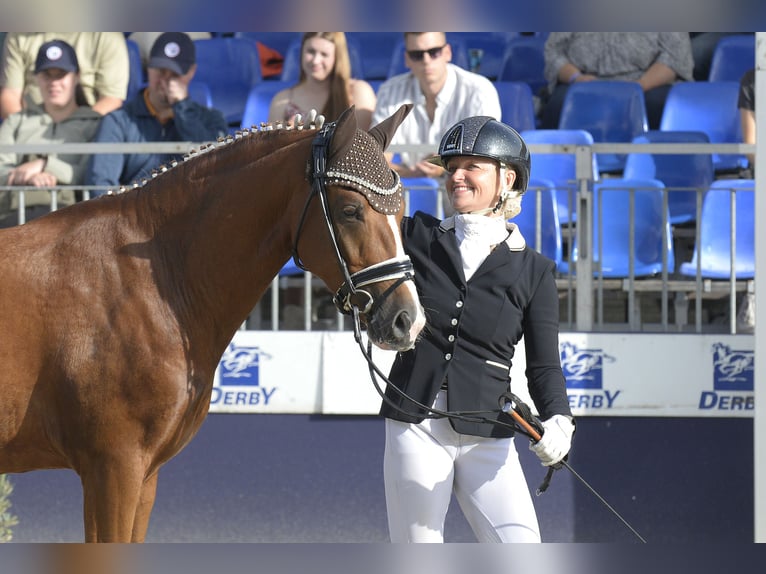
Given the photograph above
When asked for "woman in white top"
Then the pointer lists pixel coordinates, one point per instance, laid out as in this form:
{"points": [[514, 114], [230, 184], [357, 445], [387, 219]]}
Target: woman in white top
{"points": [[325, 83]]}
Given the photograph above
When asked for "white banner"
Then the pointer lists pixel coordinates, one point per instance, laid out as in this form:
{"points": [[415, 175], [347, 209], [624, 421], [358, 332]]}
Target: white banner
{"points": [[607, 374]]}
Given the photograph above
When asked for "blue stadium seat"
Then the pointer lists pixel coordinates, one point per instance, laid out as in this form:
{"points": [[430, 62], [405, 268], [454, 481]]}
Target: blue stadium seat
{"points": [[230, 67], [421, 194], [291, 69], [459, 57], [682, 174], [732, 57], [200, 93], [714, 250], [486, 50], [524, 61], [137, 75], [560, 167], [517, 105], [611, 111], [541, 193], [375, 49], [611, 198], [710, 107], [259, 101], [278, 41]]}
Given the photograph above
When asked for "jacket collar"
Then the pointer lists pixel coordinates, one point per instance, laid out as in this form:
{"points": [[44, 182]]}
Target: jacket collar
{"points": [[515, 240]]}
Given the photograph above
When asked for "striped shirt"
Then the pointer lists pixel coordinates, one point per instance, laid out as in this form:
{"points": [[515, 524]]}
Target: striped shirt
{"points": [[464, 94]]}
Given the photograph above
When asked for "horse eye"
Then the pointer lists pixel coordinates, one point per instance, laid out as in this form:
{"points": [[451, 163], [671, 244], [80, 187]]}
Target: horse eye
{"points": [[352, 211]]}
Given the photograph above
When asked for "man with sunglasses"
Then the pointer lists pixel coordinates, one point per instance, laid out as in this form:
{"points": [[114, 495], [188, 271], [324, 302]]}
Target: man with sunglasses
{"points": [[442, 94]]}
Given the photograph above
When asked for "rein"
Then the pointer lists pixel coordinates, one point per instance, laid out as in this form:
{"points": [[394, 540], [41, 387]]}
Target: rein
{"points": [[350, 295]]}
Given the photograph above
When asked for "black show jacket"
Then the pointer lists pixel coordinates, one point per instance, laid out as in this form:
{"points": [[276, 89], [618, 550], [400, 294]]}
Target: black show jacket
{"points": [[472, 328]]}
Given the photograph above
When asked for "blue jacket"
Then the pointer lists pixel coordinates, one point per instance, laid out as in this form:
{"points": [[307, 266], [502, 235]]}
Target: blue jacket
{"points": [[134, 123]]}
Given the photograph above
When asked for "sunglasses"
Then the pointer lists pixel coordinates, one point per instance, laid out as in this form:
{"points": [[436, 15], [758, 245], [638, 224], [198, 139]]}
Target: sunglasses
{"points": [[433, 53]]}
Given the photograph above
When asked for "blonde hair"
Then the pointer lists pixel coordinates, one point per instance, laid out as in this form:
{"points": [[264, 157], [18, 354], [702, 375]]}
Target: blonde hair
{"points": [[340, 76]]}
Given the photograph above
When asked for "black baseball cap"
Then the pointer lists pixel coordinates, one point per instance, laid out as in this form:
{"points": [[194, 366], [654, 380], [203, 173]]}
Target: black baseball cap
{"points": [[56, 54], [173, 51]]}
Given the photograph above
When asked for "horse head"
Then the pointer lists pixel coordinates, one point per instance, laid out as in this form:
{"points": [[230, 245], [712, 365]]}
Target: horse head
{"points": [[361, 198]]}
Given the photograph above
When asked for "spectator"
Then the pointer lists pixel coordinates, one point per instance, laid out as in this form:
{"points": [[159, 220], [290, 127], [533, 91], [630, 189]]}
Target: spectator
{"points": [[442, 93], [104, 68], [655, 60], [64, 116], [746, 106], [161, 112], [483, 289], [325, 83]]}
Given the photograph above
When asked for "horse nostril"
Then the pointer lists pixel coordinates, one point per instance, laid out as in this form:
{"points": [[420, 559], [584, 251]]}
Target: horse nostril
{"points": [[402, 325]]}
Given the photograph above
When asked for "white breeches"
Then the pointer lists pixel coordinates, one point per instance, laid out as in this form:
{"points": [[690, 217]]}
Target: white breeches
{"points": [[425, 463]]}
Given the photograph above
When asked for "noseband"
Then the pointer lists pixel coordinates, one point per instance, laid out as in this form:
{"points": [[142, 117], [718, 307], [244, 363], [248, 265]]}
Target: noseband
{"points": [[350, 295]]}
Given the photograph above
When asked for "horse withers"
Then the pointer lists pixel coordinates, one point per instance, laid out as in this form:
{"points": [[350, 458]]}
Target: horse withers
{"points": [[114, 312]]}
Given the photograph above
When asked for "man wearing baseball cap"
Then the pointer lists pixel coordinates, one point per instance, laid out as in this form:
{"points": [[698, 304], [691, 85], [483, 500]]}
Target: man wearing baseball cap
{"points": [[161, 112], [64, 116]]}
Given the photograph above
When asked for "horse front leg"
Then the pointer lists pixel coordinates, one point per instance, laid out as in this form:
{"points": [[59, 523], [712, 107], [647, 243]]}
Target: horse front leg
{"points": [[112, 492], [144, 510]]}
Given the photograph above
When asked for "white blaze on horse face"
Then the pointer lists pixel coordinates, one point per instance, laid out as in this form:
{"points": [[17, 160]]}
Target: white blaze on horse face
{"points": [[419, 321]]}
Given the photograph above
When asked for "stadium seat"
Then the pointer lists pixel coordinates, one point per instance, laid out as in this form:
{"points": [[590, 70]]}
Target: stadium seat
{"points": [[421, 194], [230, 67], [375, 49], [517, 105], [291, 69], [560, 167], [611, 111], [136, 76], [486, 50], [278, 41], [732, 57], [651, 230], [710, 107], [684, 175], [524, 61], [541, 194], [259, 101], [200, 93], [714, 250], [459, 56]]}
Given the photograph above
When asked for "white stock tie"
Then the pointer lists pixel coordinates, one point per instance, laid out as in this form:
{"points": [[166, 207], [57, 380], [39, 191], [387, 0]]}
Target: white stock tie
{"points": [[476, 234]]}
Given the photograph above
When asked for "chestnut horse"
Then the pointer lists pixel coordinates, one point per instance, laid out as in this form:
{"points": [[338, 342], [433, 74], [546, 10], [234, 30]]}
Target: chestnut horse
{"points": [[114, 312]]}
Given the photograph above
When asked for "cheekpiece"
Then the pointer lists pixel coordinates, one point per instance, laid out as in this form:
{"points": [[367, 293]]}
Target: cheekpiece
{"points": [[365, 169]]}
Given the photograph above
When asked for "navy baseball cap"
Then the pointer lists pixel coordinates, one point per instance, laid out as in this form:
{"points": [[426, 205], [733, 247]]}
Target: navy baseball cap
{"points": [[56, 54], [172, 51]]}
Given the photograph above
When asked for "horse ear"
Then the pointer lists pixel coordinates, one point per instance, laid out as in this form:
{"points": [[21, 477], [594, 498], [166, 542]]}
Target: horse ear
{"points": [[384, 131], [345, 130]]}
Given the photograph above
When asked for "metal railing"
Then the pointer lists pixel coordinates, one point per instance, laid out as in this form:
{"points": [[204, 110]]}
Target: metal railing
{"points": [[584, 294]]}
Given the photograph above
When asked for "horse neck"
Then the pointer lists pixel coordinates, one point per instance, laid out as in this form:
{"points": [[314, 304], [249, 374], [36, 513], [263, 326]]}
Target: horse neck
{"points": [[224, 224]]}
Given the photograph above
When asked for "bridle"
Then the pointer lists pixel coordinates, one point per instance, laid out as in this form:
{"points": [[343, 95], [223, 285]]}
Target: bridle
{"points": [[350, 294]]}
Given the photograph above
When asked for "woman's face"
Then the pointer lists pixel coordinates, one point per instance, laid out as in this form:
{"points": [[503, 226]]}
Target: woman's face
{"points": [[318, 58], [473, 183], [57, 86]]}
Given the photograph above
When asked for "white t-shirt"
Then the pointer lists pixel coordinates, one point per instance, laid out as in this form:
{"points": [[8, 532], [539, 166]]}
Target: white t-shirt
{"points": [[464, 94]]}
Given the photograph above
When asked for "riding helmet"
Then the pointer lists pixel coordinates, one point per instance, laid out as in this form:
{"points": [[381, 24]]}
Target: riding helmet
{"points": [[484, 136]]}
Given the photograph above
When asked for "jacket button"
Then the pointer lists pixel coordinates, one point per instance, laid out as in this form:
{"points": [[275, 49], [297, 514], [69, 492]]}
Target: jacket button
{"points": [[451, 338], [459, 304], [454, 322], [448, 356]]}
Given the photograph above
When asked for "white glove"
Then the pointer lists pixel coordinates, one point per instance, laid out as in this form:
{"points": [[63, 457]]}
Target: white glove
{"points": [[556, 440]]}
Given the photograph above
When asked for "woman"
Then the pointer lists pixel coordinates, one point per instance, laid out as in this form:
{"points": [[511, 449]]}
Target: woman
{"points": [[63, 117], [325, 83], [483, 289], [656, 60]]}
